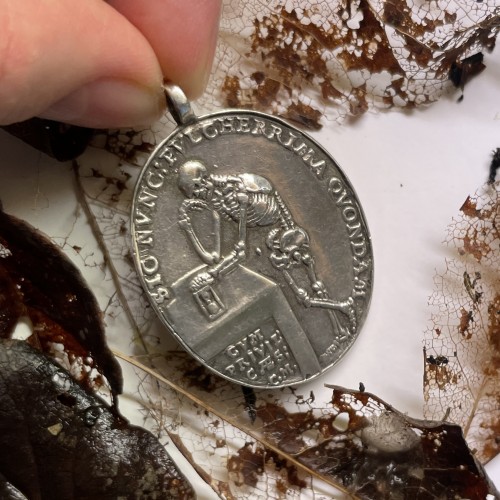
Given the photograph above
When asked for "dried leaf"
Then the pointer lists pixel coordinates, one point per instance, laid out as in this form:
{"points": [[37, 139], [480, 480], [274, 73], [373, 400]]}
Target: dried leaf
{"points": [[306, 59], [9, 492], [38, 281], [462, 347], [357, 442], [59, 140], [60, 442], [377, 452]]}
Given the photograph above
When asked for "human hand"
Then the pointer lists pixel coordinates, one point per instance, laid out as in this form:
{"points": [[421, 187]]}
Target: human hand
{"points": [[101, 64]]}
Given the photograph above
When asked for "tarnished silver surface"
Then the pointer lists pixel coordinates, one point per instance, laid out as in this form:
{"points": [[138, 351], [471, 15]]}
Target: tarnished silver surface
{"points": [[252, 247]]}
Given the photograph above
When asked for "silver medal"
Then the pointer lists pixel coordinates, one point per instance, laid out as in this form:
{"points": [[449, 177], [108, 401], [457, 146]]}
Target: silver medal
{"points": [[251, 246]]}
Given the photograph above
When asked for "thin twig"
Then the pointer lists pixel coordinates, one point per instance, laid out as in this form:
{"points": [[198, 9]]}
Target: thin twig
{"points": [[108, 261]]}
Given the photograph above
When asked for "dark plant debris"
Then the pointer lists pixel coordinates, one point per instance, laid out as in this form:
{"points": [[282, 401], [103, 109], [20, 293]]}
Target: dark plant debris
{"points": [[374, 451], [39, 282], [494, 166], [357, 441], [250, 399], [462, 71], [59, 442], [61, 141]]}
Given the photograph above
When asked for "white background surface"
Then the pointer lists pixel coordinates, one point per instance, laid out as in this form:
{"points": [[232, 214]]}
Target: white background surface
{"points": [[411, 171]]}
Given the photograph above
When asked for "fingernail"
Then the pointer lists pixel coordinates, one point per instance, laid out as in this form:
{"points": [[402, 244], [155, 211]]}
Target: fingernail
{"points": [[109, 104]]}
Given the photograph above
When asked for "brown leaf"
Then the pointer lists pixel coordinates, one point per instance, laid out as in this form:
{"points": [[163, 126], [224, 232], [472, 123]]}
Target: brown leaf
{"points": [[38, 281], [314, 62], [462, 347], [375, 451], [307, 59], [357, 442], [60, 442]]}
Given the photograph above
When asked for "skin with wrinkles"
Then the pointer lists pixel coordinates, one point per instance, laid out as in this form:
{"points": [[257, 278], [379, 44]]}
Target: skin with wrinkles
{"points": [[101, 64]]}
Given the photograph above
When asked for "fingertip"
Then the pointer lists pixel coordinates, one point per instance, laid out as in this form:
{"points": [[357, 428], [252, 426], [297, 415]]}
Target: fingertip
{"points": [[54, 54], [182, 34]]}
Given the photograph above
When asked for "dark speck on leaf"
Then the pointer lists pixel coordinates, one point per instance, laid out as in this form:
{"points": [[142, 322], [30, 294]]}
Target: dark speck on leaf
{"points": [[494, 165], [437, 361], [462, 71], [250, 400]]}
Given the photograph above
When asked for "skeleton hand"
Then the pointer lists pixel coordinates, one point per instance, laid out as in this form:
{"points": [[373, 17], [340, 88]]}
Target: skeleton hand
{"points": [[192, 206], [303, 297], [186, 207], [280, 260], [242, 199], [219, 180], [239, 250], [319, 289], [200, 281], [185, 223]]}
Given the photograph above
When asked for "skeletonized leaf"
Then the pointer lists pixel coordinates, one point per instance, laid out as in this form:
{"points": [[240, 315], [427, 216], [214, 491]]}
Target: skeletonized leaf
{"points": [[356, 441], [306, 59], [60, 442], [462, 347]]}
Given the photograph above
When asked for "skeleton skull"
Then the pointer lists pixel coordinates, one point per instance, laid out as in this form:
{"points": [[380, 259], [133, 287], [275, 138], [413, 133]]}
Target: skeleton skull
{"points": [[192, 179], [294, 240]]}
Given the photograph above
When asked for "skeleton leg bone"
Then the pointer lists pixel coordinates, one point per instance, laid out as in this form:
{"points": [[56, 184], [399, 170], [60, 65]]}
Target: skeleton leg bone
{"points": [[317, 285], [345, 307]]}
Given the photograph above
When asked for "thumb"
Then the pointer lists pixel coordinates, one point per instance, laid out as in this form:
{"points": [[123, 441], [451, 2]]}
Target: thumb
{"points": [[78, 62]]}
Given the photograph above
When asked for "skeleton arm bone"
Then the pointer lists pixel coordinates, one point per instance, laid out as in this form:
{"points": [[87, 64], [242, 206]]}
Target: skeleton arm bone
{"points": [[225, 181], [207, 257], [185, 223], [242, 225], [226, 265], [317, 285], [238, 254], [306, 300]]}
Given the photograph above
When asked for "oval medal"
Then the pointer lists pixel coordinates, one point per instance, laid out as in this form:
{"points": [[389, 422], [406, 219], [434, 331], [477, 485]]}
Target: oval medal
{"points": [[252, 247]]}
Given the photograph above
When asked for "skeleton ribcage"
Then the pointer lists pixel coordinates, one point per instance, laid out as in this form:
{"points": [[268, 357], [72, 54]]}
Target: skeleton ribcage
{"points": [[262, 210]]}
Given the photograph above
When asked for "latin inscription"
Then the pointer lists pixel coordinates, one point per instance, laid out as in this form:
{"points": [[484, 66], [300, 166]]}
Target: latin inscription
{"points": [[153, 279], [258, 357], [359, 245], [175, 149]]}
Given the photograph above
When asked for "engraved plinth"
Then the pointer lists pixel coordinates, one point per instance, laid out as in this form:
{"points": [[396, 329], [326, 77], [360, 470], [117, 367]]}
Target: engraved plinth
{"points": [[246, 300]]}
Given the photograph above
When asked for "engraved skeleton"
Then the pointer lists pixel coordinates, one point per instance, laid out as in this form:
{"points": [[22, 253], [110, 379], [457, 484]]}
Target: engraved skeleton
{"points": [[251, 200]]}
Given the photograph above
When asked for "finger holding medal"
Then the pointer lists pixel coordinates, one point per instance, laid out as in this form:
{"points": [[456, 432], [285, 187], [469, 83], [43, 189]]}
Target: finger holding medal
{"points": [[101, 64]]}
